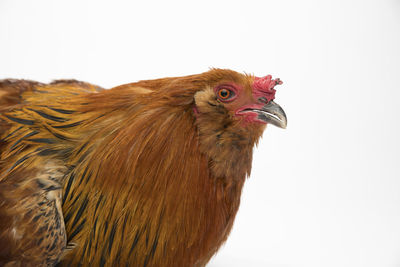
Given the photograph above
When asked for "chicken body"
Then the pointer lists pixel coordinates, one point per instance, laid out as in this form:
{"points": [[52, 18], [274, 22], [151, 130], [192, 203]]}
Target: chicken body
{"points": [[144, 174]]}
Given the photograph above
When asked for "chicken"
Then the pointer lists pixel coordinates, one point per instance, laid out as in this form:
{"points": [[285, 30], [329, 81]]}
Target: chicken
{"points": [[144, 174]]}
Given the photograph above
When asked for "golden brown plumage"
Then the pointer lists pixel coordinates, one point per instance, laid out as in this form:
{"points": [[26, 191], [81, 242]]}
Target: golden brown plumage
{"points": [[150, 173]]}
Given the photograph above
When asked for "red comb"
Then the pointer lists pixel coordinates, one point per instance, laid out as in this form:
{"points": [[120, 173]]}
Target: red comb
{"points": [[264, 87]]}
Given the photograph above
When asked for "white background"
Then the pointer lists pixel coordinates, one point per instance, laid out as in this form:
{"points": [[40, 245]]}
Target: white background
{"points": [[324, 192]]}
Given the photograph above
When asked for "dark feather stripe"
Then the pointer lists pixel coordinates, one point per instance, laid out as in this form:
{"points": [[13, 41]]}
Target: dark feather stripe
{"points": [[105, 227], [68, 125], [146, 260], [94, 230], [82, 147], [98, 204], [77, 230], [84, 174], [47, 116], [60, 136], [21, 121], [47, 152], [20, 161], [155, 243], [62, 111], [123, 228], [88, 177], [111, 237], [67, 217], [12, 133], [68, 188], [80, 211], [56, 134], [76, 198], [22, 138], [84, 252], [43, 140], [135, 241], [102, 261], [84, 155], [93, 233]]}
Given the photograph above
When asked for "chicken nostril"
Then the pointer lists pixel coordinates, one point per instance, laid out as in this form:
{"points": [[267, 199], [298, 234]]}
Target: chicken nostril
{"points": [[263, 99]]}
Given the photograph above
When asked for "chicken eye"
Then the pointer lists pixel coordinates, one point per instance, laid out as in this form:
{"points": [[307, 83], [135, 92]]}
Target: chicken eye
{"points": [[225, 94]]}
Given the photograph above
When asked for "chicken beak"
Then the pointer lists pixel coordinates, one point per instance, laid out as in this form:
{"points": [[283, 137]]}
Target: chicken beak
{"points": [[272, 113]]}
